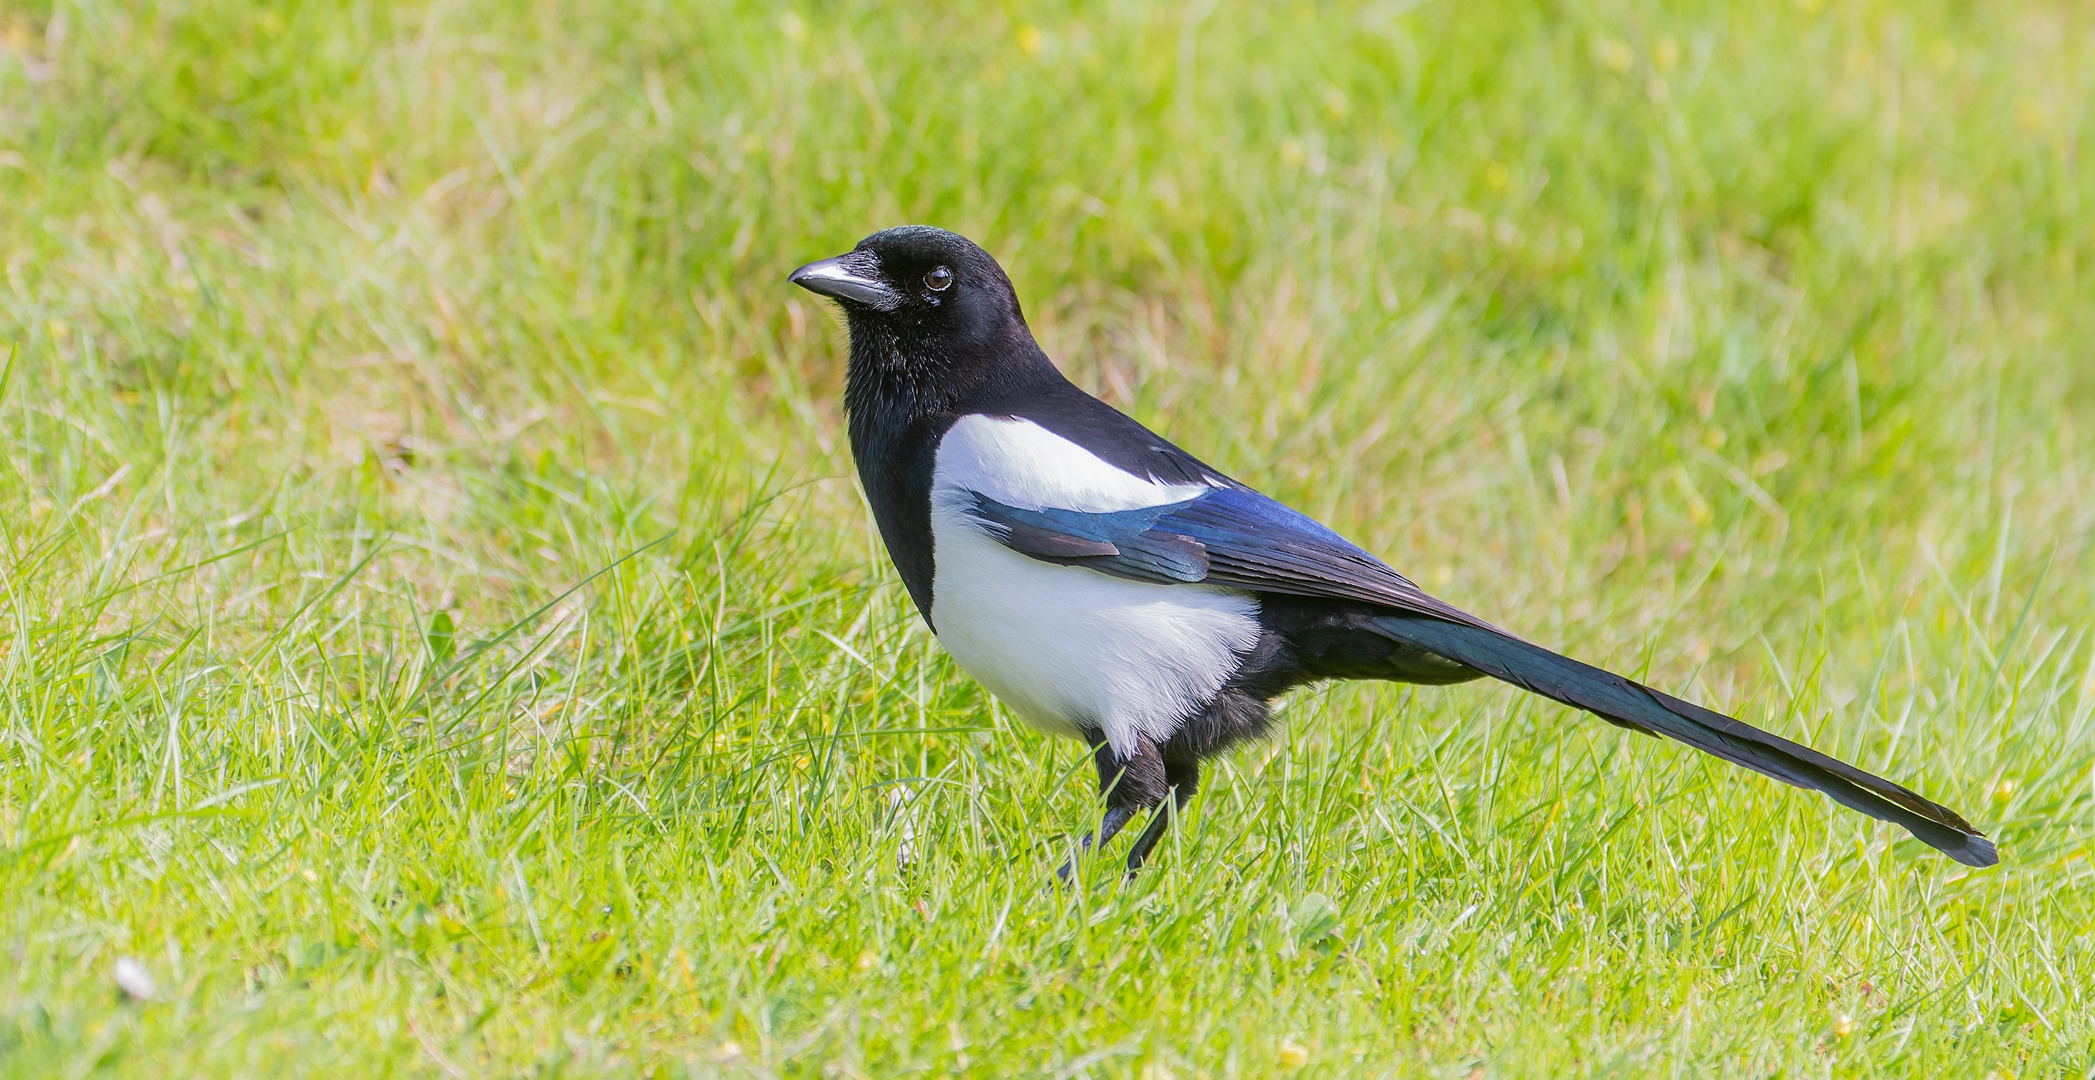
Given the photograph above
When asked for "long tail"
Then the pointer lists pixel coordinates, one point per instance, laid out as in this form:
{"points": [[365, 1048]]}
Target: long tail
{"points": [[1633, 705]]}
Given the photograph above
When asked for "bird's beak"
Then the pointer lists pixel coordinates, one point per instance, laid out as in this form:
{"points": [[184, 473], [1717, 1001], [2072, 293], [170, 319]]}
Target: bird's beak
{"points": [[850, 277]]}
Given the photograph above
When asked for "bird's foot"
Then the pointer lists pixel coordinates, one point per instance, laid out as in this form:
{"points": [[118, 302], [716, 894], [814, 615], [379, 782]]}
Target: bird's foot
{"points": [[1151, 833], [1116, 819]]}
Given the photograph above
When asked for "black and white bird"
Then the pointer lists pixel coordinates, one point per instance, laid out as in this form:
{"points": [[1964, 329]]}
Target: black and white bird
{"points": [[1109, 586]]}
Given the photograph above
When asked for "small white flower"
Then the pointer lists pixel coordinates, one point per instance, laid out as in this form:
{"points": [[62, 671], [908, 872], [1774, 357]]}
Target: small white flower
{"points": [[133, 979]]}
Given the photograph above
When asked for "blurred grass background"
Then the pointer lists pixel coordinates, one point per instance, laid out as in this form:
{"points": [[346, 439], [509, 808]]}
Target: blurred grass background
{"points": [[440, 635]]}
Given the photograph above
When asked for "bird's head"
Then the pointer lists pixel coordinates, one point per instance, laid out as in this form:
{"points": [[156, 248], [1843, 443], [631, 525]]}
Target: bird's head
{"points": [[921, 297]]}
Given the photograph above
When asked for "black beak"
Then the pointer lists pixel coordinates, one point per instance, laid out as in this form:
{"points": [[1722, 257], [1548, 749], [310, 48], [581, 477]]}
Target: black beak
{"points": [[851, 277]]}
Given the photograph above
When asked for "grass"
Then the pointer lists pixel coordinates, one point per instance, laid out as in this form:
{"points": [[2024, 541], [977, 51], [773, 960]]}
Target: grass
{"points": [[439, 634]]}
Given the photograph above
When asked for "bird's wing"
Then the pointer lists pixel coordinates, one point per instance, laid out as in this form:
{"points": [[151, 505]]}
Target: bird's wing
{"points": [[1228, 535], [1233, 536]]}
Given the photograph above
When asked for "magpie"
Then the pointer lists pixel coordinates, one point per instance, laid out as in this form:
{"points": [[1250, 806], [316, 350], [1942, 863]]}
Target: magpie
{"points": [[1107, 585]]}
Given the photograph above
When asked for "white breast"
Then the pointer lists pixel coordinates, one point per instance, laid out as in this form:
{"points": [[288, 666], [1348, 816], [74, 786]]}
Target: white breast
{"points": [[1070, 649]]}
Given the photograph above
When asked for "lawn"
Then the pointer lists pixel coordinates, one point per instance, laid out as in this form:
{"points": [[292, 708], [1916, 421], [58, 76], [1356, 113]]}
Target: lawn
{"points": [[441, 635]]}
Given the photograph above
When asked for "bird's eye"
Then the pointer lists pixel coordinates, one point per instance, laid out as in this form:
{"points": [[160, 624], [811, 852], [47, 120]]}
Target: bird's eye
{"points": [[939, 279]]}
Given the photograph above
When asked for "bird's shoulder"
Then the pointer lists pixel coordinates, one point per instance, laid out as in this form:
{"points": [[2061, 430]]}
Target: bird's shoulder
{"points": [[1063, 410]]}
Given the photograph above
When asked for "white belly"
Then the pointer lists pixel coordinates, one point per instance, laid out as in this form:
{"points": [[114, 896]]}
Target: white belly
{"points": [[1071, 649]]}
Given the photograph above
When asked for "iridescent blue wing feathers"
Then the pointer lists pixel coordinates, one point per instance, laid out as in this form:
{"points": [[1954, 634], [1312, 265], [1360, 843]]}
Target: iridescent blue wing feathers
{"points": [[1230, 536]]}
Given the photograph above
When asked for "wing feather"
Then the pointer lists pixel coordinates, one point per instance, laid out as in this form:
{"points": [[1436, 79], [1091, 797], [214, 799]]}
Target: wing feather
{"points": [[1229, 535]]}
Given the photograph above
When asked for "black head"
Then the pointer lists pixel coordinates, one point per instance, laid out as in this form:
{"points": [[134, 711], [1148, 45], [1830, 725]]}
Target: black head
{"points": [[925, 298]]}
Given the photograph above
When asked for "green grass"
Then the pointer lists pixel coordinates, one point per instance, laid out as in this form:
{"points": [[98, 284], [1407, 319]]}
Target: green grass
{"points": [[439, 633]]}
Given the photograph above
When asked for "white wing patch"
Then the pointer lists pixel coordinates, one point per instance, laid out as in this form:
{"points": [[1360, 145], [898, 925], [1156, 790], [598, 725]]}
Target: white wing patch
{"points": [[1071, 649], [1019, 463]]}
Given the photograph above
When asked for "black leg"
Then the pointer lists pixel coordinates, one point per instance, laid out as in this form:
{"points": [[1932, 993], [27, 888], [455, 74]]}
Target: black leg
{"points": [[1184, 778], [1154, 832], [1136, 781], [1129, 786], [1182, 772], [1109, 826]]}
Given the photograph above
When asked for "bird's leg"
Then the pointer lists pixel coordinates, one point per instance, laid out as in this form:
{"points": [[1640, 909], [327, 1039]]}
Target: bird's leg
{"points": [[1110, 825], [1129, 785], [1184, 778]]}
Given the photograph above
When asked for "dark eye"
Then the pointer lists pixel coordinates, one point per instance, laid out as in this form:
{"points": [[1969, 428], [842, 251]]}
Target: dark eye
{"points": [[939, 279]]}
